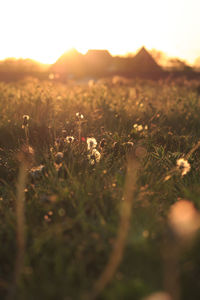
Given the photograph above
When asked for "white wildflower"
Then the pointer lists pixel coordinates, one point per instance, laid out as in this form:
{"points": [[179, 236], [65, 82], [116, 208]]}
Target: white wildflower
{"points": [[25, 121], [138, 127], [94, 157], [79, 116], [91, 143], [69, 139], [183, 165]]}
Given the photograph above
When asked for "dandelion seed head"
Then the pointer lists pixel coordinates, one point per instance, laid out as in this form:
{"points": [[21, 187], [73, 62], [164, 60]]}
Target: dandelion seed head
{"points": [[69, 139], [94, 157], [183, 165], [138, 127], [91, 162], [97, 155], [91, 143], [25, 121], [26, 117]]}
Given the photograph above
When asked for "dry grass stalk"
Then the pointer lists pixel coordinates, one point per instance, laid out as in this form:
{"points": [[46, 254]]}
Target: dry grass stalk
{"points": [[20, 230], [193, 150], [119, 245]]}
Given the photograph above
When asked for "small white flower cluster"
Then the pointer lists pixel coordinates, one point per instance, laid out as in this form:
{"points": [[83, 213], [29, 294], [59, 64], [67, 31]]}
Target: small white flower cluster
{"points": [[139, 127], [94, 155], [79, 116], [183, 165]]}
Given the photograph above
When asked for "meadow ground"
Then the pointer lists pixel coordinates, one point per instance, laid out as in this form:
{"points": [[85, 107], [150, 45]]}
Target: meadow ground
{"points": [[114, 220]]}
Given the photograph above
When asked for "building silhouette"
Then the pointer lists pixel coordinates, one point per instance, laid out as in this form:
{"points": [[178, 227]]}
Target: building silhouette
{"points": [[100, 63]]}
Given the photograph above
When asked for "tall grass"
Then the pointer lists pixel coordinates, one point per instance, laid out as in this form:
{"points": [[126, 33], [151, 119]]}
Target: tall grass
{"points": [[70, 229]]}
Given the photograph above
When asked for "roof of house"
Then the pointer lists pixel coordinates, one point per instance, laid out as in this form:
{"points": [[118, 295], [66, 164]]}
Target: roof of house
{"points": [[143, 62]]}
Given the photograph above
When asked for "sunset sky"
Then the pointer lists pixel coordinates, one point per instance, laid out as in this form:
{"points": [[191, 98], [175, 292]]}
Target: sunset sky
{"points": [[45, 29]]}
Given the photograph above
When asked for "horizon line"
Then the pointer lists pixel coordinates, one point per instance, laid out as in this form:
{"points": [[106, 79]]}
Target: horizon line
{"points": [[39, 61]]}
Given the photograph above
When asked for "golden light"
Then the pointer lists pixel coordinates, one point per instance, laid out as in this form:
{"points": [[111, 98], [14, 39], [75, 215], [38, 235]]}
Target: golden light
{"points": [[43, 30], [184, 218]]}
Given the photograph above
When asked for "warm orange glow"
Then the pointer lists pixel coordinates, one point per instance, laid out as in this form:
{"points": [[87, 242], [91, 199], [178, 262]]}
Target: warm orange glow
{"points": [[43, 30], [184, 218]]}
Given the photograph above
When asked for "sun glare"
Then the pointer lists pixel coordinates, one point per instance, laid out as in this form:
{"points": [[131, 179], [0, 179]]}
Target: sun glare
{"points": [[43, 30]]}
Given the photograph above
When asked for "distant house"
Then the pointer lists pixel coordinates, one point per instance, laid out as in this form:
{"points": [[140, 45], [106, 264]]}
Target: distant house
{"points": [[143, 64], [100, 63], [70, 64]]}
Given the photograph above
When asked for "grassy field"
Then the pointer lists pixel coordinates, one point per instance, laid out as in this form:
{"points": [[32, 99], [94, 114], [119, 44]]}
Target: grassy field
{"points": [[114, 220]]}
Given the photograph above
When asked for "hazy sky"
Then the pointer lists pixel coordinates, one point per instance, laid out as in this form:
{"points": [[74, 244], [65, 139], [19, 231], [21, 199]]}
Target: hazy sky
{"points": [[44, 29]]}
